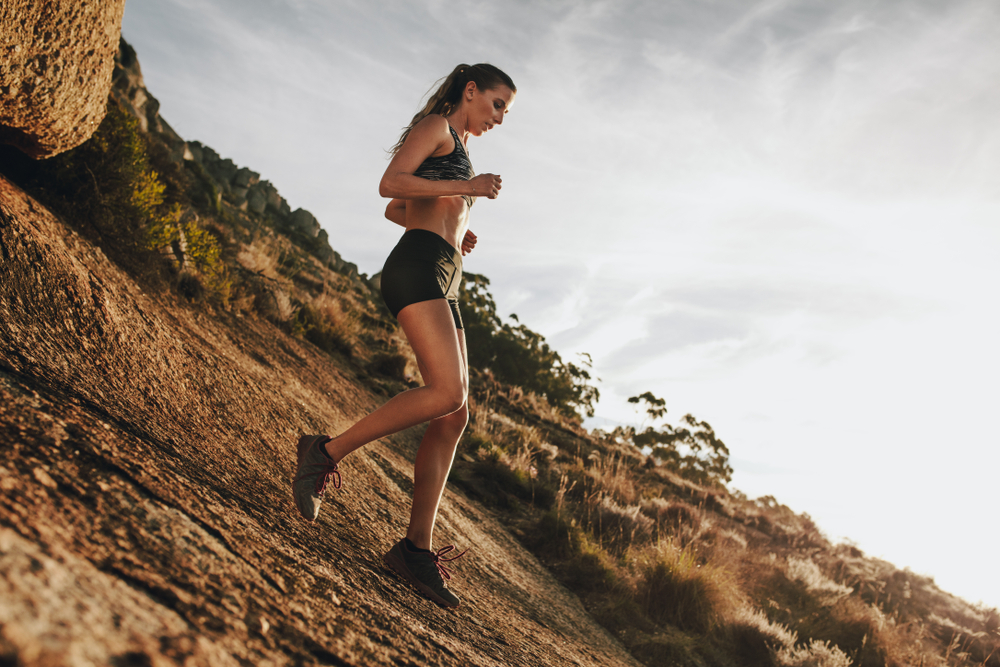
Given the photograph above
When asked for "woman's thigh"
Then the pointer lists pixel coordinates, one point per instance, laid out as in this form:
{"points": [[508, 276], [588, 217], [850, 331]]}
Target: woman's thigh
{"points": [[437, 344]]}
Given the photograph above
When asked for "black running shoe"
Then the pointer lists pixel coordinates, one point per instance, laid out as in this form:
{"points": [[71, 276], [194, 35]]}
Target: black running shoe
{"points": [[425, 570], [314, 471]]}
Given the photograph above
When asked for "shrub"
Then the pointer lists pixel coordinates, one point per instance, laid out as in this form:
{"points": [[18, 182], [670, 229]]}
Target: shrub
{"points": [[577, 561], [501, 480], [390, 365], [620, 527], [816, 654], [317, 327], [807, 573], [105, 186], [674, 588]]}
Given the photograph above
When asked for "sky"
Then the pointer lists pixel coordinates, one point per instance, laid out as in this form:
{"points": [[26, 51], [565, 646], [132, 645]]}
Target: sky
{"points": [[782, 217]]}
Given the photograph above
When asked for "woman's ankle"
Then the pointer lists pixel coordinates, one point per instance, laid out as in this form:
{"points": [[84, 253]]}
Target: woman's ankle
{"points": [[325, 448]]}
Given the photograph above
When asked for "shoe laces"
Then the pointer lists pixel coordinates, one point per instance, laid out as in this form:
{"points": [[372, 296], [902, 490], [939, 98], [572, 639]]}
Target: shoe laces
{"points": [[327, 469], [439, 559]]}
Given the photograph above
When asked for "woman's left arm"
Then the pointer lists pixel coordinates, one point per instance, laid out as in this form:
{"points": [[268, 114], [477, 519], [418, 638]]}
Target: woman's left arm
{"points": [[396, 211]]}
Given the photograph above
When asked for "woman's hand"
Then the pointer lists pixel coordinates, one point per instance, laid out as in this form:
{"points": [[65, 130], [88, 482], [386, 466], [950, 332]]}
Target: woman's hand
{"points": [[485, 185], [469, 242], [396, 212]]}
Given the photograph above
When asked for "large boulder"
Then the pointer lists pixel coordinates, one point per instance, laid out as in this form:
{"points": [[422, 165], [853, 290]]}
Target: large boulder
{"points": [[245, 178], [56, 59], [304, 222]]}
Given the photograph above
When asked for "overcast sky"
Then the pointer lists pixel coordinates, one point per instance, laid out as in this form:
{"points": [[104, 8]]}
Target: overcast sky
{"points": [[782, 217]]}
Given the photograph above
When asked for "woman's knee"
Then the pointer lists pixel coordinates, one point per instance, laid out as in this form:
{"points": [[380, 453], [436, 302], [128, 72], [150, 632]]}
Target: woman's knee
{"points": [[458, 419], [450, 399]]}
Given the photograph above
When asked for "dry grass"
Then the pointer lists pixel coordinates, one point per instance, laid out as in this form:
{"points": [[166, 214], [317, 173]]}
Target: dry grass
{"points": [[673, 587], [826, 591], [692, 575], [619, 527], [613, 476]]}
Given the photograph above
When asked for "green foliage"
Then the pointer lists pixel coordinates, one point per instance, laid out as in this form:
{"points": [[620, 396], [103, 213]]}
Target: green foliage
{"points": [[202, 248], [519, 356], [656, 408], [108, 189], [692, 450], [104, 186]]}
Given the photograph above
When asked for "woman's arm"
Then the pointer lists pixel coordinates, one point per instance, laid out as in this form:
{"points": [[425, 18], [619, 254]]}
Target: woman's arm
{"points": [[396, 212], [428, 137], [468, 242]]}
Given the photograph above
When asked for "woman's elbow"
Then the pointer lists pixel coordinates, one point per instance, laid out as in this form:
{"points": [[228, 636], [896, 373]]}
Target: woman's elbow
{"points": [[388, 187]]}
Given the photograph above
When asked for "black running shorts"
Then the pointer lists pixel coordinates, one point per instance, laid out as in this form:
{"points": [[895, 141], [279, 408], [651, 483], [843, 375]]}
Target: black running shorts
{"points": [[422, 266]]}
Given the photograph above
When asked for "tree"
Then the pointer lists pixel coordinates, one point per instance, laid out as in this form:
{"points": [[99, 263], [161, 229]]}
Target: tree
{"points": [[519, 356], [692, 449]]}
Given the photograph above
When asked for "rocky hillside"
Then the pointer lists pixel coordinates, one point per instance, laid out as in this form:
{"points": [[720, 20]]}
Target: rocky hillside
{"points": [[148, 421], [146, 515], [169, 329]]}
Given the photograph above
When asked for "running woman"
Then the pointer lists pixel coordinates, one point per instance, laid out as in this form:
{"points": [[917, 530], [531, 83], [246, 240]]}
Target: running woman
{"points": [[432, 187]]}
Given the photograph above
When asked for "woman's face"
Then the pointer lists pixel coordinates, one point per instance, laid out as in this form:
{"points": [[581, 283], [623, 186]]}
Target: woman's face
{"points": [[487, 108]]}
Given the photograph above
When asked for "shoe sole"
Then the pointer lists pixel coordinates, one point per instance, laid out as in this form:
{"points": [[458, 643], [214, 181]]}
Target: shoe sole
{"points": [[396, 564]]}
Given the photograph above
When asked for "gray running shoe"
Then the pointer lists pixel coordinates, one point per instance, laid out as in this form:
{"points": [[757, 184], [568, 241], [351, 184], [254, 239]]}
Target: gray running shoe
{"points": [[312, 474], [425, 570]]}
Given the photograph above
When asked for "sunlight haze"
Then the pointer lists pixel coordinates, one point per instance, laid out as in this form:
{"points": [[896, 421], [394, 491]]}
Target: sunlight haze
{"points": [[782, 217]]}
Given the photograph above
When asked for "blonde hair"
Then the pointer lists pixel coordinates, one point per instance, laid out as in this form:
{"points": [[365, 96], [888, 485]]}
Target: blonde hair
{"points": [[449, 94]]}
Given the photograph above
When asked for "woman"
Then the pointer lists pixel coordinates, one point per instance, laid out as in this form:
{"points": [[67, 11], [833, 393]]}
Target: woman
{"points": [[432, 186]]}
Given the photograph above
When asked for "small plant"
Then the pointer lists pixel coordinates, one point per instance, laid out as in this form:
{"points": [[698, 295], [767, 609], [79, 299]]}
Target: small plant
{"points": [[674, 587], [320, 329]]}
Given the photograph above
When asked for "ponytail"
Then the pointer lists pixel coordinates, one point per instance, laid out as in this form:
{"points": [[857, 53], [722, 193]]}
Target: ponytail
{"points": [[448, 95]]}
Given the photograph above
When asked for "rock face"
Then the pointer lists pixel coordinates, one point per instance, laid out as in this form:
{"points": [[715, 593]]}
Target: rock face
{"points": [[241, 186], [56, 59], [130, 89]]}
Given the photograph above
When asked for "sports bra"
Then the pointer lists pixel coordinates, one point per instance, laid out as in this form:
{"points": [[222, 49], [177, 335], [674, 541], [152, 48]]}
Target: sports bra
{"points": [[455, 166]]}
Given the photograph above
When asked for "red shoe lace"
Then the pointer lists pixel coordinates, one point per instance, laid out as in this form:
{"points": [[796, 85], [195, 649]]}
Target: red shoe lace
{"points": [[327, 469], [439, 559]]}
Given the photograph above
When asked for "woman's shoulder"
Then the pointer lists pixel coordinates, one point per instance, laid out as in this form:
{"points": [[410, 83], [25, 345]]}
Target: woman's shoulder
{"points": [[432, 132], [433, 122]]}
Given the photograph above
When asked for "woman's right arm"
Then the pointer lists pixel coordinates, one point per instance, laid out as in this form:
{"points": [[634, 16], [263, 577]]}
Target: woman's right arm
{"points": [[427, 137], [396, 212]]}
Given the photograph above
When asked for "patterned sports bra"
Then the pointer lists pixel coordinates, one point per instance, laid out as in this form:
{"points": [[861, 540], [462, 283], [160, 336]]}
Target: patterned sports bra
{"points": [[455, 166]]}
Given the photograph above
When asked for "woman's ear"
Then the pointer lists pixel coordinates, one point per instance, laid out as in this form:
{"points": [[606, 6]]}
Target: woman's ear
{"points": [[470, 89]]}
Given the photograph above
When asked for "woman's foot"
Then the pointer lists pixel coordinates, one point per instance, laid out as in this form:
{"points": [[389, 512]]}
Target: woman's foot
{"points": [[312, 474], [425, 570]]}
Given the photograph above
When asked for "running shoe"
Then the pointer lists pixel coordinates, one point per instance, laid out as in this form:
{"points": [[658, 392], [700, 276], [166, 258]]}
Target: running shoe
{"points": [[425, 571], [312, 475]]}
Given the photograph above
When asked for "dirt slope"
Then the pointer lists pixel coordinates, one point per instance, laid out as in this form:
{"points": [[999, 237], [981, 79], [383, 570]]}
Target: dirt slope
{"points": [[145, 517]]}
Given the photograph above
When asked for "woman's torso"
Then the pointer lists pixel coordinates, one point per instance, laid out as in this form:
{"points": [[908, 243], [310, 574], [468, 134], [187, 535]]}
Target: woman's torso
{"points": [[448, 217]]}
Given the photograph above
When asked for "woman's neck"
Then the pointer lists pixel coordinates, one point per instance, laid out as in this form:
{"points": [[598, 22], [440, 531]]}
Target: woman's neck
{"points": [[458, 119]]}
